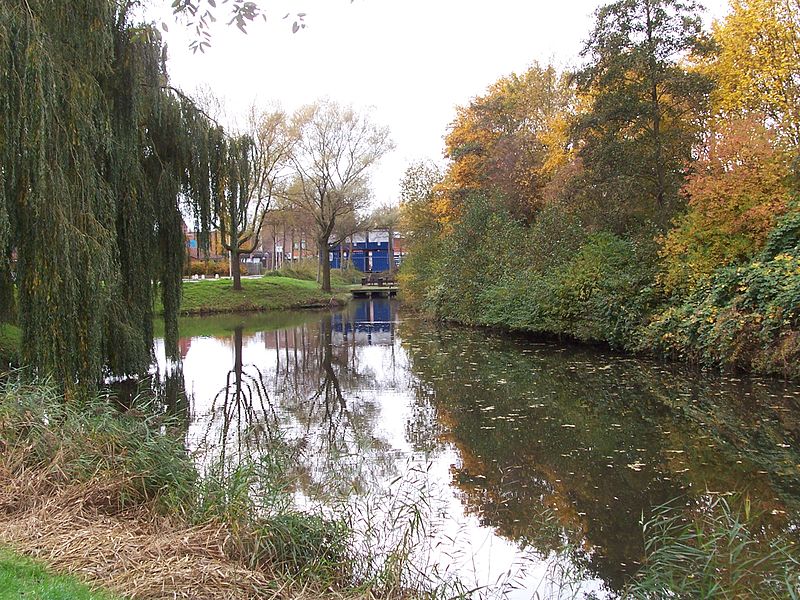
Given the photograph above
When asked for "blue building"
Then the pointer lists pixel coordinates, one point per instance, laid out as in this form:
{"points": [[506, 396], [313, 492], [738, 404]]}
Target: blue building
{"points": [[367, 251]]}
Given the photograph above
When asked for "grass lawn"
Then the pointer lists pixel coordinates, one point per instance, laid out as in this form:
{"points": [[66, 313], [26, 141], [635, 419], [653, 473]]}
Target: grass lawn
{"points": [[24, 578], [263, 293]]}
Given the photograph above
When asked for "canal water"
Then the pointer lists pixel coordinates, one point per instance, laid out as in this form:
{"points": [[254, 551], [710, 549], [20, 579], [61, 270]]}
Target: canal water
{"points": [[520, 467]]}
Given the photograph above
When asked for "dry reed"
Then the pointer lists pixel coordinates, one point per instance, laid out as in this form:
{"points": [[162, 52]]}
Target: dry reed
{"points": [[136, 553]]}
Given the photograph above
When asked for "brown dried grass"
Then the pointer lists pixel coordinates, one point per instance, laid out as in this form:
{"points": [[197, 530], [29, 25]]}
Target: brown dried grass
{"points": [[79, 529]]}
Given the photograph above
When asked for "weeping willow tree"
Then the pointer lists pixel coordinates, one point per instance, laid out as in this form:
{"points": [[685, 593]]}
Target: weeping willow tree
{"points": [[98, 155]]}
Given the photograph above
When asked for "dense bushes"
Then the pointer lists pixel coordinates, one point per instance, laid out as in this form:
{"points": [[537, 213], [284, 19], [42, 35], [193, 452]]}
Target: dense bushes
{"points": [[747, 316], [550, 278], [553, 277]]}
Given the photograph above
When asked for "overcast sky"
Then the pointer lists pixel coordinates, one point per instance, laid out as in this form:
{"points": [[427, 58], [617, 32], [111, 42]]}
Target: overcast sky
{"points": [[408, 62]]}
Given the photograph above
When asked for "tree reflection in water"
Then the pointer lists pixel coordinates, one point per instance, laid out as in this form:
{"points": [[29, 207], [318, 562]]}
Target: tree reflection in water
{"points": [[244, 420], [308, 385]]}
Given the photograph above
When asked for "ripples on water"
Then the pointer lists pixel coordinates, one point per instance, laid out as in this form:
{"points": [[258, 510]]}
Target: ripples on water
{"points": [[537, 461]]}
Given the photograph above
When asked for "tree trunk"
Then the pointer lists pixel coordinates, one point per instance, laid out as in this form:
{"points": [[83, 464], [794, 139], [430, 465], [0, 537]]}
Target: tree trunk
{"points": [[274, 248], [391, 251], [325, 264], [235, 273], [283, 254]]}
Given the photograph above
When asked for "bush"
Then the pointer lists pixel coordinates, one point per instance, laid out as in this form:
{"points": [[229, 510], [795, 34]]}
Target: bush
{"points": [[602, 293], [211, 268], [746, 317]]}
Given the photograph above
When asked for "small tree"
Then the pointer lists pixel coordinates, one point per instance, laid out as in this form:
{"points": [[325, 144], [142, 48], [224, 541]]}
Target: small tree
{"points": [[335, 149], [255, 172]]}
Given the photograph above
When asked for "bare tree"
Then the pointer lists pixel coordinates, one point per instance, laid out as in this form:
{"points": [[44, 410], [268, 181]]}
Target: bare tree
{"points": [[268, 148], [334, 151]]}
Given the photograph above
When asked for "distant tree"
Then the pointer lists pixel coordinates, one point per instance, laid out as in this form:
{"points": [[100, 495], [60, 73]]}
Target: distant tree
{"points": [[423, 211], [757, 64], [256, 171], [637, 134], [336, 147]]}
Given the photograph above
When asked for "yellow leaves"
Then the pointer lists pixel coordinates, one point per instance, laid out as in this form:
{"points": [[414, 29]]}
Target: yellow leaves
{"points": [[509, 142], [758, 62]]}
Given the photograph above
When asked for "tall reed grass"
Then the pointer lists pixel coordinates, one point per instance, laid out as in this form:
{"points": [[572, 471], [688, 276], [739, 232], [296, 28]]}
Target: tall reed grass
{"points": [[716, 550]]}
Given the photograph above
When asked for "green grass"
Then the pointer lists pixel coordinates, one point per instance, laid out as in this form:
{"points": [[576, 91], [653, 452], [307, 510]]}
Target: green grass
{"points": [[266, 293], [307, 271], [24, 578]]}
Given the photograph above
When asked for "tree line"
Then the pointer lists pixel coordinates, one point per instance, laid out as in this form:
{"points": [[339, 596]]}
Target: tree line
{"points": [[647, 199]]}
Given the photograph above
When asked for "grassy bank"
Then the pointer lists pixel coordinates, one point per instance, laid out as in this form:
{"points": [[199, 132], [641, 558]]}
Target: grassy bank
{"points": [[117, 500], [21, 577], [258, 294]]}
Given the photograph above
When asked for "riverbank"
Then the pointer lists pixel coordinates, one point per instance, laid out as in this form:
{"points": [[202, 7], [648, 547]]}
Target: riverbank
{"points": [[605, 288], [116, 500], [213, 296]]}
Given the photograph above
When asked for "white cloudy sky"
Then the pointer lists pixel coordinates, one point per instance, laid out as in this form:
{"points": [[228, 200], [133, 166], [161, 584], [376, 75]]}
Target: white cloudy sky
{"points": [[408, 62]]}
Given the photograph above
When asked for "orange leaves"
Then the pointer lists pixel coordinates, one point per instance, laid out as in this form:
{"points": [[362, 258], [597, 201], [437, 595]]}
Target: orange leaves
{"points": [[735, 193], [507, 144]]}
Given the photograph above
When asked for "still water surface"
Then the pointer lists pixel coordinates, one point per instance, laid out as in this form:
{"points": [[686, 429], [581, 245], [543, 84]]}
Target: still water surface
{"points": [[537, 460]]}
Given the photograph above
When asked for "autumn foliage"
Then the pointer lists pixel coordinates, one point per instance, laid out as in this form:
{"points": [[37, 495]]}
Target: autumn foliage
{"points": [[645, 200], [736, 191]]}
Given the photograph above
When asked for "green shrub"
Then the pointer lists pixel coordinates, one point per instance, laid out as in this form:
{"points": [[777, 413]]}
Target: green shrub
{"points": [[603, 292], [744, 316]]}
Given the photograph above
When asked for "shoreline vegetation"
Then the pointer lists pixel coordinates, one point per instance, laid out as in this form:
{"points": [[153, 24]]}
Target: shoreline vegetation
{"points": [[115, 499], [649, 199]]}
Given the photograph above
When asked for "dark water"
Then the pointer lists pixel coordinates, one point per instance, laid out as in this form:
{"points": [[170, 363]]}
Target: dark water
{"points": [[538, 460]]}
